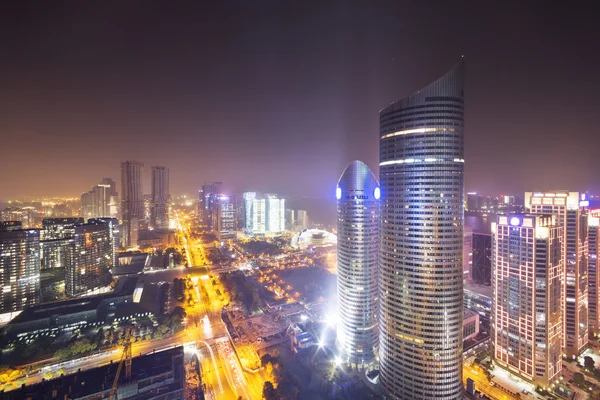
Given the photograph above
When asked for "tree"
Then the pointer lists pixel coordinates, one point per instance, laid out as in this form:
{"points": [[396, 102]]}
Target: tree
{"points": [[48, 375], [578, 378], [589, 363], [269, 392], [8, 374], [61, 371]]}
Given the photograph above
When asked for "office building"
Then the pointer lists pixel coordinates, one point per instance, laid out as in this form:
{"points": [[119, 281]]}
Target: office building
{"points": [[594, 272], [528, 269], [301, 220], [467, 253], [275, 214], [422, 205], [101, 201], [565, 206], [19, 271], [57, 241], [93, 255], [264, 213], [481, 271], [211, 192], [159, 207], [132, 201], [290, 219], [357, 195], [158, 375], [224, 217], [478, 298]]}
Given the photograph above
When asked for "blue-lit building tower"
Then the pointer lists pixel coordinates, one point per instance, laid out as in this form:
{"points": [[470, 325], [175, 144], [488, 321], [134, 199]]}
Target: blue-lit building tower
{"points": [[421, 175], [357, 195]]}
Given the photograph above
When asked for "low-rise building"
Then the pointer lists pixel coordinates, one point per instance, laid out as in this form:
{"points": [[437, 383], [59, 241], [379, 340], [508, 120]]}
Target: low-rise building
{"points": [[54, 319], [159, 375]]}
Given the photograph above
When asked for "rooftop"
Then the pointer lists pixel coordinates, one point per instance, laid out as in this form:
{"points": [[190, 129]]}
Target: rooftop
{"points": [[88, 382]]}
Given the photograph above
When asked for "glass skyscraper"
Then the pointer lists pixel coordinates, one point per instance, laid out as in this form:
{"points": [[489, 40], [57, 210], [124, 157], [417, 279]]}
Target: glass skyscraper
{"points": [[357, 251], [421, 176]]}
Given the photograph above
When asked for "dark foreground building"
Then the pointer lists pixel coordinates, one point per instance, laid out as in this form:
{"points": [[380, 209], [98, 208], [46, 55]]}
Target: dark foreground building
{"points": [[157, 376]]}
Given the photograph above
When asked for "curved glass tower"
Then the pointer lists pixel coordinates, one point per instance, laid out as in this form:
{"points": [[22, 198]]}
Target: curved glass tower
{"points": [[421, 172], [357, 253]]}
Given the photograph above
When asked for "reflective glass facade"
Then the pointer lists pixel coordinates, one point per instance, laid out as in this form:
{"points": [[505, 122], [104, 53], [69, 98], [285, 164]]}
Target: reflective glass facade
{"points": [[421, 287], [357, 254]]}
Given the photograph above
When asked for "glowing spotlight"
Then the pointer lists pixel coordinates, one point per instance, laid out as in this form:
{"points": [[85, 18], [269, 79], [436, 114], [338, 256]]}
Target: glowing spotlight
{"points": [[337, 361], [303, 317]]}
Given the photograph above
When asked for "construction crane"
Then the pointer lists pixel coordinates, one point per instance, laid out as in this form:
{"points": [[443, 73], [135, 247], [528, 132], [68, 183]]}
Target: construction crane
{"points": [[125, 359]]}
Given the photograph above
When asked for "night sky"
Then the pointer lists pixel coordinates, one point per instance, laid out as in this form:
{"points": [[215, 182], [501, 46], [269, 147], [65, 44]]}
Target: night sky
{"points": [[280, 96]]}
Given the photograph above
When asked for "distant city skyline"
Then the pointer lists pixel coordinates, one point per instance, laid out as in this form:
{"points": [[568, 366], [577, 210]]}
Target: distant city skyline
{"points": [[295, 112]]}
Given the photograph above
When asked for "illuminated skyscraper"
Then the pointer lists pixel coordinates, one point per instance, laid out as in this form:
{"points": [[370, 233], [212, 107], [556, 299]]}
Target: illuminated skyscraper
{"points": [[526, 324], [92, 247], [594, 272], [210, 192], [264, 213], [19, 271], [275, 214], [224, 217], [159, 207], [357, 195], [132, 201], [565, 206], [421, 236], [57, 241]]}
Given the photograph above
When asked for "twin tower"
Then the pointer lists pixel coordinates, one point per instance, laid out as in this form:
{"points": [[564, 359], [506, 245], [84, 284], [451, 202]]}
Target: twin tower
{"points": [[400, 294]]}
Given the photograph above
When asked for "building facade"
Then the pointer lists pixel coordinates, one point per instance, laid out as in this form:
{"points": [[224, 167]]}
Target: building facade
{"points": [[132, 201], [19, 271], [224, 217], [210, 191], [57, 241], [565, 206], [527, 283], [93, 256], [358, 195], [594, 272], [101, 201], [264, 213], [422, 211], [481, 271], [159, 206]]}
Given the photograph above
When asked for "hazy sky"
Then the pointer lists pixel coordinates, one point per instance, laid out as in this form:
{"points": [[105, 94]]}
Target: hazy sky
{"points": [[280, 96]]}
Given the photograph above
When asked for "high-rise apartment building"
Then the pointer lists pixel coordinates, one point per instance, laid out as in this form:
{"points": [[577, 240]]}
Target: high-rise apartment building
{"points": [[159, 207], [57, 242], [527, 284], [93, 256], [594, 272], [421, 236], [565, 206], [101, 201], [132, 201], [19, 271], [224, 217], [358, 195]]}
